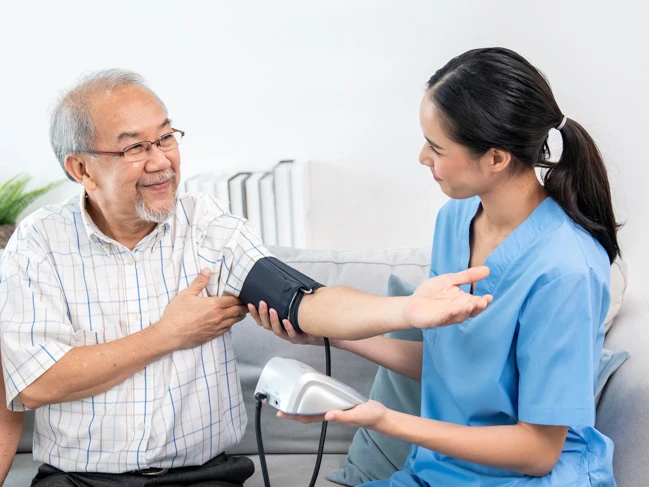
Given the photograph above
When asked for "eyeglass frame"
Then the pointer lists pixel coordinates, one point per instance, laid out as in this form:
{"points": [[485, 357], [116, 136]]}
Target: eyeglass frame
{"points": [[122, 153]]}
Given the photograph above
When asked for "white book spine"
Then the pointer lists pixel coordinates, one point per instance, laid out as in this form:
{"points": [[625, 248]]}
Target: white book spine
{"points": [[283, 212], [267, 196], [300, 203], [253, 203]]}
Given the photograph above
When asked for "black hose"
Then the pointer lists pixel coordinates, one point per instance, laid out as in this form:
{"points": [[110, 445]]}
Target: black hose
{"points": [[323, 432], [260, 443]]}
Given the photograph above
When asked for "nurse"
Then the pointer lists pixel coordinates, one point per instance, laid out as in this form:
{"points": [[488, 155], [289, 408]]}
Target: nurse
{"points": [[507, 396]]}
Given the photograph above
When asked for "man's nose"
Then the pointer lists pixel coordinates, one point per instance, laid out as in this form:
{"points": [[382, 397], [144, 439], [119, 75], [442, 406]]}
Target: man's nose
{"points": [[157, 159]]}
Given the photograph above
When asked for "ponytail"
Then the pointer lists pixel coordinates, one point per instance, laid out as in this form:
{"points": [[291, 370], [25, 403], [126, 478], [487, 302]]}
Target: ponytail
{"points": [[579, 184], [493, 97]]}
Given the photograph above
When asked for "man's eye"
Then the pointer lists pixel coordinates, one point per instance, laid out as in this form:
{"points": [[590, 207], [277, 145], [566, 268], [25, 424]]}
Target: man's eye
{"points": [[167, 139], [135, 150]]}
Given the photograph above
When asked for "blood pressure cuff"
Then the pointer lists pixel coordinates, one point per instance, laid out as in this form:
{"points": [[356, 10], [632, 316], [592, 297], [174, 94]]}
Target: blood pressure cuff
{"points": [[279, 285]]}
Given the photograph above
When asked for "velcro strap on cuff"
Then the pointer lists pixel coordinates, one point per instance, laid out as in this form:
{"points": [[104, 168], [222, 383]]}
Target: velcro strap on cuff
{"points": [[279, 285]]}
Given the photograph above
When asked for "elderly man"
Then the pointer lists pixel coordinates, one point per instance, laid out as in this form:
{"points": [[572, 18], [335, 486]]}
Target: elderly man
{"points": [[116, 305]]}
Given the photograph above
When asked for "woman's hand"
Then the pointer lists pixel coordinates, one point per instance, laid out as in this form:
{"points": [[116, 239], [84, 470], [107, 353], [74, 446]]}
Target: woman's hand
{"points": [[269, 319], [440, 301], [367, 415]]}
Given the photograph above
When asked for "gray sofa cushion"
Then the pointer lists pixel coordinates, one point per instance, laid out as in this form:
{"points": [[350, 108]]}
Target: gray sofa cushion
{"points": [[254, 346], [623, 411]]}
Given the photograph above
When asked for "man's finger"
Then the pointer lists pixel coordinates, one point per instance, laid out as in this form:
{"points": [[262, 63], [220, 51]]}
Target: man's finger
{"points": [[469, 276], [235, 311], [227, 301], [200, 282]]}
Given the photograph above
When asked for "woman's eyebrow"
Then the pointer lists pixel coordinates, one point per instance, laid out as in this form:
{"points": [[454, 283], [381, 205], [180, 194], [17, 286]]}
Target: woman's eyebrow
{"points": [[433, 143]]}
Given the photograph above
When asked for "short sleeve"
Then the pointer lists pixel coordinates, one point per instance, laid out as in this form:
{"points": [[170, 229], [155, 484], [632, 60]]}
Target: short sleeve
{"points": [[556, 350], [241, 250], [36, 330]]}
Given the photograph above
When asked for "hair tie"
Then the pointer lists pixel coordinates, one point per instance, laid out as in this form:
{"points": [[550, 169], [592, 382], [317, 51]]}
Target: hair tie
{"points": [[563, 123]]}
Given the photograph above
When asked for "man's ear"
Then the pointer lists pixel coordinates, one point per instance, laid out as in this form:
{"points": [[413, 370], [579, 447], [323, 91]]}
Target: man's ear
{"points": [[77, 167], [496, 160]]}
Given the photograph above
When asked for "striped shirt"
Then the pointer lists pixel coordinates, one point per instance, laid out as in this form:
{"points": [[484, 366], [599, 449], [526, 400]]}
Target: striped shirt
{"points": [[64, 284]]}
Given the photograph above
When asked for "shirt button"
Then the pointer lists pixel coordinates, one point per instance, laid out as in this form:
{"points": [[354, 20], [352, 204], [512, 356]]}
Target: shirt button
{"points": [[131, 261], [141, 372], [140, 426], [136, 317]]}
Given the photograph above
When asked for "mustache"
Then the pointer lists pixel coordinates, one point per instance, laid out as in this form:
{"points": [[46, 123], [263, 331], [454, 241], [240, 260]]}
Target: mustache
{"points": [[157, 178]]}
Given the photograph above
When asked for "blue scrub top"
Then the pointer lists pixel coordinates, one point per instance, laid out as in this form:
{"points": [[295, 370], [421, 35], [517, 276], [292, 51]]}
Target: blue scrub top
{"points": [[532, 355]]}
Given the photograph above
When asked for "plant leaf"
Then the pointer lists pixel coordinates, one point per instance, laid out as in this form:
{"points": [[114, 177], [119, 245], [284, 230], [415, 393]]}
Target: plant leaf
{"points": [[22, 200], [10, 192]]}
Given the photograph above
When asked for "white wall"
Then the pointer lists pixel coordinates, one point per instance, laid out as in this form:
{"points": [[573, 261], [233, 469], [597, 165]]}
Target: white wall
{"points": [[338, 82]]}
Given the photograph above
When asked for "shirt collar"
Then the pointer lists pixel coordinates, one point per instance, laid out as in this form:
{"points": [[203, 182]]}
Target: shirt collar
{"points": [[94, 233]]}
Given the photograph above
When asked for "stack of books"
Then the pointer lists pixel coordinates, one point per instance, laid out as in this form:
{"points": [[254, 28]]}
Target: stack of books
{"points": [[276, 203]]}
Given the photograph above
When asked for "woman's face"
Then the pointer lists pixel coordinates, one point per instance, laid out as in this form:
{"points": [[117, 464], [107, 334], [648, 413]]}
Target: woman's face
{"points": [[458, 173]]}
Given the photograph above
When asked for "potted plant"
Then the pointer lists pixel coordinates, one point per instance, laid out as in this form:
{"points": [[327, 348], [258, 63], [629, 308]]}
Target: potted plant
{"points": [[13, 200]]}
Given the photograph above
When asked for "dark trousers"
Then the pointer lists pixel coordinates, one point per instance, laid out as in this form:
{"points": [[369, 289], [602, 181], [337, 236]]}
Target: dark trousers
{"points": [[221, 471]]}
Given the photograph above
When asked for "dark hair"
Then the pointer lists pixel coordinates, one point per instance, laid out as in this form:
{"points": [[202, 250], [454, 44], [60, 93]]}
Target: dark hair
{"points": [[494, 98]]}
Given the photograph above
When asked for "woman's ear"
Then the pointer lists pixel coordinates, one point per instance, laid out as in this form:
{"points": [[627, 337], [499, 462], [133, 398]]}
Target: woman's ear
{"points": [[77, 167], [497, 160]]}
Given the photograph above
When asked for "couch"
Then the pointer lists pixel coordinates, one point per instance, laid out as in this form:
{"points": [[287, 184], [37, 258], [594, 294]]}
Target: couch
{"points": [[623, 412]]}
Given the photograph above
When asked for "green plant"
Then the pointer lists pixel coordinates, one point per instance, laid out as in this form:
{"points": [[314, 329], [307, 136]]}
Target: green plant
{"points": [[14, 199]]}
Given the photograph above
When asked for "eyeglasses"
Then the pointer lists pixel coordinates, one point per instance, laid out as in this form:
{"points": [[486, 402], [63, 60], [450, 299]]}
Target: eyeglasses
{"points": [[138, 152]]}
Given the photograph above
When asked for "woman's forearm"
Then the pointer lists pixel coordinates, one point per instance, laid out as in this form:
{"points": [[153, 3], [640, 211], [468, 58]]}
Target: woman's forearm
{"points": [[525, 448], [401, 356]]}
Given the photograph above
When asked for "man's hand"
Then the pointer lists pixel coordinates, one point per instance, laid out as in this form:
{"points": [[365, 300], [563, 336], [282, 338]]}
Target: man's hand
{"points": [[440, 301], [190, 319]]}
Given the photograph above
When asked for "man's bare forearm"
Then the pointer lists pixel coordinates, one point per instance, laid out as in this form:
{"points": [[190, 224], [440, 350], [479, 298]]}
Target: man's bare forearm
{"points": [[92, 369], [342, 312], [11, 426]]}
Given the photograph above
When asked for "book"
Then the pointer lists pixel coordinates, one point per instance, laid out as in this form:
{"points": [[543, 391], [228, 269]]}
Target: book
{"points": [[300, 202], [283, 212], [253, 202], [207, 185], [192, 184], [238, 194], [267, 200], [222, 189]]}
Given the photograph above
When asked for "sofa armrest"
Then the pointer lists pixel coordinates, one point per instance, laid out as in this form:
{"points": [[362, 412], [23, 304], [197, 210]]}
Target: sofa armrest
{"points": [[623, 412]]}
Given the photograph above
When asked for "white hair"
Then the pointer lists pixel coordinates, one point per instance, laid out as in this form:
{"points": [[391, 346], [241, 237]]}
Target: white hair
{"points": [[72, 129]]}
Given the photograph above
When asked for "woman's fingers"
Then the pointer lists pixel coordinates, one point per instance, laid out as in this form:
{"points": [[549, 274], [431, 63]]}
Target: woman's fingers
{"points": [[264, 316], [253, 312], [300, 418], [470, 275], [275, 324]]}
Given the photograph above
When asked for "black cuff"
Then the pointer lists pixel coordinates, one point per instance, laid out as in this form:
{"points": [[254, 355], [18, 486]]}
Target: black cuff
{"points": [[281, 286]]}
